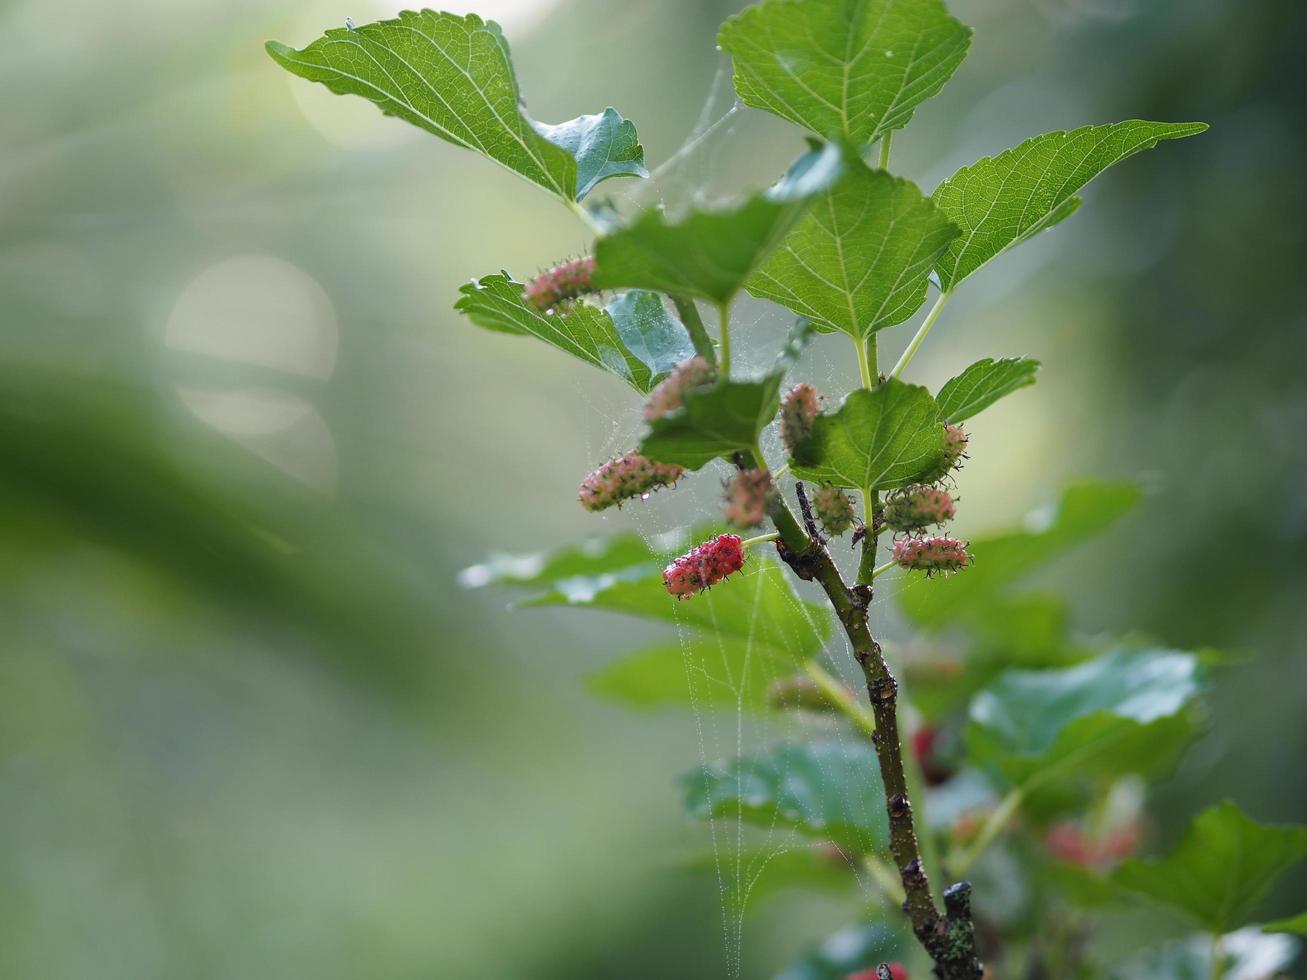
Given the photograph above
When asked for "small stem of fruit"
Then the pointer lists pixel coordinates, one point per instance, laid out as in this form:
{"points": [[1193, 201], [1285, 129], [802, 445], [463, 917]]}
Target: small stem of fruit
{"points": [[884, 150], [760, 539], [841, 697], [992, 827], [724, 358], [689, 314], [880, 569]]}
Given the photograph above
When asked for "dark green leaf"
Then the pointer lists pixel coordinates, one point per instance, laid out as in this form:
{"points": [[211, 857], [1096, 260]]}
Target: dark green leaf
{"points": [[604, 145], [1084, 510], [712, 672], [756, 605], [858, 260], [881, 438], [453, 77], [827, 790], [1125, 711], [709, 254], [982, 384], [1221, 870], [593, 557], [636, 338], [855, 69], [1001, 201], [716, 421], [1296, 925]]}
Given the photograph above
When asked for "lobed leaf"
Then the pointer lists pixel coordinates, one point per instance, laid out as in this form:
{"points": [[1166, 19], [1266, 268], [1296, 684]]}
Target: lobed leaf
{"points": [[849, 69], [453, 77], [827, 790], [1221, 870], [859, 259], [1122, 712], [710, 254], [1001, 201], [635, 338], [881, 438], [982, 384], [719, 420]]}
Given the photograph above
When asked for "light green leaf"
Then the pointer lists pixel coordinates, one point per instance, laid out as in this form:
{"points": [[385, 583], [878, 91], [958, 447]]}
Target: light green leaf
{"points": [[827, 790], [763, 872], [1001, 201], [712, 672], [1122, 712], [858, 260], [636, 338], [1084, 510], [709, 254], [453, 77], [595, 556], [1296, 925], [881, 438], [1244, 955], [604, 145], [1223, 867], [756, 605], [982, 384], [851, 69], [853, 949]]}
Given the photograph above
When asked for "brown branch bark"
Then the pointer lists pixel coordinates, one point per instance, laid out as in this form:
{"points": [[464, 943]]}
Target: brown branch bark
{"points": [[949, 938]]}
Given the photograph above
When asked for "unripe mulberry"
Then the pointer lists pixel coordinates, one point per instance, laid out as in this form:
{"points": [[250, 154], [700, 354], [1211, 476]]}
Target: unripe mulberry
{"points": [[954, 451], [704, 566], [669, 395], [834, 509], [747, 496], [799, 410], [621, 479], [931, 555], [916, 508], [565, 281]]}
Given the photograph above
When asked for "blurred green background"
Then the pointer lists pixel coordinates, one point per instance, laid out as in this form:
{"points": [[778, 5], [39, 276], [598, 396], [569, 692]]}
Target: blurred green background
{"points": [[249, 725]]}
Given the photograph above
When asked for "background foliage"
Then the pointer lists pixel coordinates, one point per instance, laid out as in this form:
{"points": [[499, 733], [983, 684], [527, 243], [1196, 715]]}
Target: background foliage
{"points": [[248, 724]]}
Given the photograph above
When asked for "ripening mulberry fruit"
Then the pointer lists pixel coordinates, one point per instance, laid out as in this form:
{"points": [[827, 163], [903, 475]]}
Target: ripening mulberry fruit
{"points": [[955, 450], [916, 508], [704, 566], [931, 555], [747, 496], [563, 282], [669, 395], [799, 410], [834, 509], [621, 479]]}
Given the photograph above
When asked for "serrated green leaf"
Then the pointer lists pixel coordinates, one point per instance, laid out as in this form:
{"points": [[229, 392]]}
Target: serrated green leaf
{"points": [[1221, 870], [716, 421], [604, 145], [453, 77], [858, 260], [1001, 201], [827, 790], [1122, 712], [710, 254], [635, 338], [1296, 925], [1083, 511], [880, 438], [1244, 954], [982, 384], [756, 605], [712, 672], [853, 69]]}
